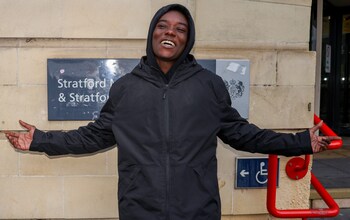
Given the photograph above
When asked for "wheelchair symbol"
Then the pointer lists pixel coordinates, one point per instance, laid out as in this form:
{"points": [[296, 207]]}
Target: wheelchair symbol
{"points": [[261, 176]]}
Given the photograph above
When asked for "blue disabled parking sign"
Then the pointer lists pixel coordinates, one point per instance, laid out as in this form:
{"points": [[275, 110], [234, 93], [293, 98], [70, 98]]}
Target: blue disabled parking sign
{"points": [[252, 172]]}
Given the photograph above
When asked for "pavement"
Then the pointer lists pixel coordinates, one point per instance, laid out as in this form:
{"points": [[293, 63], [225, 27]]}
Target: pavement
{"points": [[332, 169]]}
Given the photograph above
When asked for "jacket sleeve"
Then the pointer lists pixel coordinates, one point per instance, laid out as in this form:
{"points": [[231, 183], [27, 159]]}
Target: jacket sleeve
{"points": [[95, 136], [241, 135]]}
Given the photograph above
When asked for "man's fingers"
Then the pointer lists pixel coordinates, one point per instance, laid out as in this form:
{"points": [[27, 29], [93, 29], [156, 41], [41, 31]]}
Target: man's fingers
{"points": [[316, 127], [324, 144], [332, 138], [329, 139], [26, 125], [9, 134]]}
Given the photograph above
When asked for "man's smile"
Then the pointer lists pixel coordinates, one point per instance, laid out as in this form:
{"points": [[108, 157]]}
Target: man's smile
{"points": [[168, 43]]}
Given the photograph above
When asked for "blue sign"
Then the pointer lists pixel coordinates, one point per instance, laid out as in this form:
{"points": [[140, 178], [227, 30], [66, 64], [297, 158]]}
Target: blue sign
{"points": [[252, 172]]}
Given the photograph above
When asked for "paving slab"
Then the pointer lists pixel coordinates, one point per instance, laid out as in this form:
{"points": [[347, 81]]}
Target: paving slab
{"points": [[332, 168]]}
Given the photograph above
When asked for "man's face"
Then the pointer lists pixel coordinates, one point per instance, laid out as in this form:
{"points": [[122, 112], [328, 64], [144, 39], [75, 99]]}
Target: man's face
{"points": [[170, 36]]}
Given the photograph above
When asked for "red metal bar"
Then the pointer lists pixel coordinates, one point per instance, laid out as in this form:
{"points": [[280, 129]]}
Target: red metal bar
{"points": [[297, 169], [332, 211], [305, 165]]}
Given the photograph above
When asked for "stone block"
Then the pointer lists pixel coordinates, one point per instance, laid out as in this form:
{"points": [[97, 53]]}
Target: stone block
{"points": [[105, 19], [226, 184], [8, 66], [28, 19], [226, 158], [112, 161], [249, 201], [90, 197], [296, 68], [72, 19], [273, 23], [8, 159], [281, 107], [226, 167], [263, 68], [27, 103], [31, 197], [37, 164]]}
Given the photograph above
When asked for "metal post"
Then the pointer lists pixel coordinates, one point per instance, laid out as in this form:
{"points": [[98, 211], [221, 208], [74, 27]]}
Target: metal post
{"points": [[318, 56]]}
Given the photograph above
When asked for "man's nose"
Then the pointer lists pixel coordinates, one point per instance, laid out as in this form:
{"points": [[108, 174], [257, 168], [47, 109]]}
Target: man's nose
{"points": [[170, 31]]}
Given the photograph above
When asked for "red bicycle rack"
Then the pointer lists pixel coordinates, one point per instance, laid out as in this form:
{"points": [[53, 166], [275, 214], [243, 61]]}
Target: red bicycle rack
{"points": [[297, 168]]}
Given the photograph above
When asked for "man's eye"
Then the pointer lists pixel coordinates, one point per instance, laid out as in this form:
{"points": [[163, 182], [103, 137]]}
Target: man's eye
{"points": [[161, 26]]}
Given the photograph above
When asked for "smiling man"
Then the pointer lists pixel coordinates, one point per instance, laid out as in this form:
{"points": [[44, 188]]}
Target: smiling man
{"points": [[165, 117], [169, 39]]}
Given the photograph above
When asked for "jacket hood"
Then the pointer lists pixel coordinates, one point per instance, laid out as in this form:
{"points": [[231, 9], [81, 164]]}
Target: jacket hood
{"points": [[151, 60]]}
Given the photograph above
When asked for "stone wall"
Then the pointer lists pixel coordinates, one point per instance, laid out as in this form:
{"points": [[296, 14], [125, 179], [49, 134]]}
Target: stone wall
{"points": [[272, 34]]}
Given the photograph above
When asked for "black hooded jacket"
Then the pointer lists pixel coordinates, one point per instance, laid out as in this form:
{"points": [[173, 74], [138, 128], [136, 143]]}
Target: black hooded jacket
{"points": [[166, 131]]}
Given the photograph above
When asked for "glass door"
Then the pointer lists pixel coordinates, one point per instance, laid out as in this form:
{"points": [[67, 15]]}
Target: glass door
{"points": [[344, 83], [335, 70], [326, 76]]}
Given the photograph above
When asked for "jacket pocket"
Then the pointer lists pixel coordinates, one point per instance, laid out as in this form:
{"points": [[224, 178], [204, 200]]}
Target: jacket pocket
{"points": [[207, 178], [139, 192], [127, 178], [208, 182], [195, 193]]}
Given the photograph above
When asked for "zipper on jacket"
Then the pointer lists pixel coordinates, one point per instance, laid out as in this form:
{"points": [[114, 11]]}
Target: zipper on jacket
{"points": [[166, 148], [166, 111]]}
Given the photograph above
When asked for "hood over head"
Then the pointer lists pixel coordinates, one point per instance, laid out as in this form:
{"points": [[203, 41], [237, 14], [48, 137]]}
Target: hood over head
{"points": [[151, 60]]}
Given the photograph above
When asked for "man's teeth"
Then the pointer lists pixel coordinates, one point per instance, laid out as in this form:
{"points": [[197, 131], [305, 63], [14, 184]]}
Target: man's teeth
{"points": [[168, 42]]}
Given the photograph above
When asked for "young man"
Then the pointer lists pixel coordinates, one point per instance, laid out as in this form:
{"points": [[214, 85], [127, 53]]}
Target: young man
{"points": [[165, 116]]}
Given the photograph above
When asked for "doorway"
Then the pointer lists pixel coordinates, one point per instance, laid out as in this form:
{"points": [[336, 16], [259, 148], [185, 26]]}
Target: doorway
{"points": [[335, 67]]}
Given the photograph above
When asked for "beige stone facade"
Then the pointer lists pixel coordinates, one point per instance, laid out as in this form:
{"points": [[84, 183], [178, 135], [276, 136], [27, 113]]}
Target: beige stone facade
{"points": [[272, 34]]}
